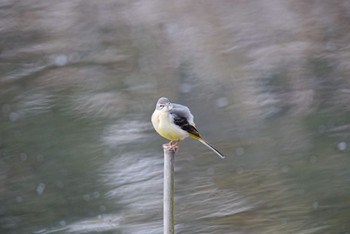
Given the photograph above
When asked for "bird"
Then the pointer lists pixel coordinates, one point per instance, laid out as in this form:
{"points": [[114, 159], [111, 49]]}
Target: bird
{"points": [[175, 122]]}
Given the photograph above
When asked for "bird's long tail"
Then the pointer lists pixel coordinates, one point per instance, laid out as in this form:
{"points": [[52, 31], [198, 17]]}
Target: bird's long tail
{"points": [[211, 147]]}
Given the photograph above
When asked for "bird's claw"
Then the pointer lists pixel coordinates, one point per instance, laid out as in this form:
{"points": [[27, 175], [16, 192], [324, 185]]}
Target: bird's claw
{"points": [[171, 146]]}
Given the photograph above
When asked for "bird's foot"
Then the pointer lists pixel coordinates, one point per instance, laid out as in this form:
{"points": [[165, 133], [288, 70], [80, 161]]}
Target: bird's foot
{"points": [[171, 146]]}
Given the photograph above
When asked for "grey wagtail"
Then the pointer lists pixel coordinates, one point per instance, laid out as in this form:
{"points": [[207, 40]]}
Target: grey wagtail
{"points": [[175, 122]]}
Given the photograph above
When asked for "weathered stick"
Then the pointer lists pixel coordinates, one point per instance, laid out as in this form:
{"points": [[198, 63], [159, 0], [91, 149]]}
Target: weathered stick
{"points": [[168, 195]]}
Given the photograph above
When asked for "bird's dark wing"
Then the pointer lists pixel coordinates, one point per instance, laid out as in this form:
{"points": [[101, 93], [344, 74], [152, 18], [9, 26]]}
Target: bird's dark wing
{"points": [[185, 125]]}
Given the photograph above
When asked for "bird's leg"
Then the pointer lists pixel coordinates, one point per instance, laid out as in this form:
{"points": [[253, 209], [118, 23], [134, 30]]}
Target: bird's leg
{"points": [[169, 144], [174, 146]]}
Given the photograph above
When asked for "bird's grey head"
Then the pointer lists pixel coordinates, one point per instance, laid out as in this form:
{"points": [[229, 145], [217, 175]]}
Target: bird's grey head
{"points": [[163, 104]]}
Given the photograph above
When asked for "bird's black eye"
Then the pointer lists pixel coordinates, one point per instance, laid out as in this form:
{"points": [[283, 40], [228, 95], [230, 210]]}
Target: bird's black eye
{"points": [[161, 105]]}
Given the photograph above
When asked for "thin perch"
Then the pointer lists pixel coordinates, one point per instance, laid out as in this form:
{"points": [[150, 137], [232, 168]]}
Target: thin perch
{"points": [[168, 193]]}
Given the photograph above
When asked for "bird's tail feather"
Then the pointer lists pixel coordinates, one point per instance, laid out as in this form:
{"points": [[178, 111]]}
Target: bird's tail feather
{"points": [[211, 147]]}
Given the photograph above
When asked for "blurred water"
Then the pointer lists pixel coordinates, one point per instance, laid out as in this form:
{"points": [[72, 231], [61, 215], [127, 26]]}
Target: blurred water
{"points": [[266, 81]]}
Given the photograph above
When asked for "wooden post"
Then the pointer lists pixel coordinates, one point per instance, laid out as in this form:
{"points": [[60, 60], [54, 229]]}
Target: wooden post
{"points": [[168, 195]]}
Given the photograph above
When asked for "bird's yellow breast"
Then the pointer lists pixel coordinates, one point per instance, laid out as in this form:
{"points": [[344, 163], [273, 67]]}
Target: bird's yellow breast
{"points": [[165, 126]]}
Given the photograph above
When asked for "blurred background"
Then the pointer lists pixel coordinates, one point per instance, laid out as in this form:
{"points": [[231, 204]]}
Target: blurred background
{"points": [[267, 82]]}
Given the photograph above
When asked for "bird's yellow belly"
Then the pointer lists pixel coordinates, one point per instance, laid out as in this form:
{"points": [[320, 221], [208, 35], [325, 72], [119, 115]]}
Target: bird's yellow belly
{"points": [[171, 134], [167, 129]]}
